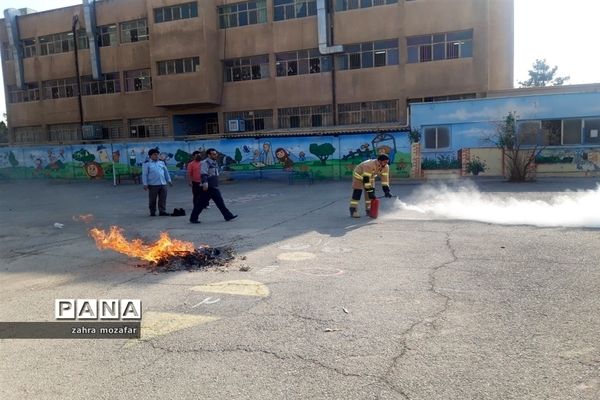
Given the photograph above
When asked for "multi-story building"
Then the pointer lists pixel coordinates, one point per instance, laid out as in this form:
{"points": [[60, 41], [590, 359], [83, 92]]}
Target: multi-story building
{"points": [[175, 68]]}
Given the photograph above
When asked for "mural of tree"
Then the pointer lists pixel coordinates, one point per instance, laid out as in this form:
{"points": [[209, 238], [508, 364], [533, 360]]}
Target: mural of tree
{"points": [[322, 151], [238, 155], [12, 159], [83, 156]]}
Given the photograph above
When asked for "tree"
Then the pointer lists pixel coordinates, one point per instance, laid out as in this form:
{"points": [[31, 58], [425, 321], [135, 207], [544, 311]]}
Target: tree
{"points": [[3, 132], [238, 155], [323, 151], [520, 149], [543, 75]]}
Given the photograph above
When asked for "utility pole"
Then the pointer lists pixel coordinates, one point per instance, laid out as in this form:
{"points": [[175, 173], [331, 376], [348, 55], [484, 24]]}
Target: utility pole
{"points": [[75, 47]]}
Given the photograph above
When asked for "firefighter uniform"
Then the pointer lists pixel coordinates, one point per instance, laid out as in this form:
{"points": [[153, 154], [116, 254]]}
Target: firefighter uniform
{"points": [[363, 177]]}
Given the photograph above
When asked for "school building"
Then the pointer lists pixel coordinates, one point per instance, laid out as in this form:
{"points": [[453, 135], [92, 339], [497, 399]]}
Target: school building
{"points": [[154, 70]]}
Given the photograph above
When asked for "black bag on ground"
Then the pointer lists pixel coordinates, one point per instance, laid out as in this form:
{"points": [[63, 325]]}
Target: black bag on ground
{"points": [[178, 212]]}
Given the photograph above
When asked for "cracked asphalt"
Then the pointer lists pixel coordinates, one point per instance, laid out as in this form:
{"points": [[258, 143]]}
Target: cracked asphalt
{"points": [[331, 307]]}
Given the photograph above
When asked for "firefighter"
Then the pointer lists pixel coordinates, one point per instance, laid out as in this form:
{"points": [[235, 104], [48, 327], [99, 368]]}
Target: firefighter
{"points": [[363, 177]]}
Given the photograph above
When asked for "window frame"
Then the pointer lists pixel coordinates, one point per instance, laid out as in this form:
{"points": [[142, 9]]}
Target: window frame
{"points": [[246, 68], [437, 129], [186, 65], [136, 25], [242, 14], [176, 12], [439, 46], [362, 55]]}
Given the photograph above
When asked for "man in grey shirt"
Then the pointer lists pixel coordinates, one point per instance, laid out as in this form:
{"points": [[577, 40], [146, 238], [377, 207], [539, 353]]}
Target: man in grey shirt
{"points": [[155, 177], [209, 170]]}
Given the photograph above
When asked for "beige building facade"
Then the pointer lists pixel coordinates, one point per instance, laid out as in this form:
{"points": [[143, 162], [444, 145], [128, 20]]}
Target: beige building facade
{"points": [[178, 69]]}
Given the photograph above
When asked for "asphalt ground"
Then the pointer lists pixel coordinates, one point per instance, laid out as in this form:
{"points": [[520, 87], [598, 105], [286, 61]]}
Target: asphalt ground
{"points": [[315, 306]]}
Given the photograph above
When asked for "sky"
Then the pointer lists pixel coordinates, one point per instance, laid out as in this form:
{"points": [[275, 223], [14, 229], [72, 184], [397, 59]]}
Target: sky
{"points": [[562, 32]]}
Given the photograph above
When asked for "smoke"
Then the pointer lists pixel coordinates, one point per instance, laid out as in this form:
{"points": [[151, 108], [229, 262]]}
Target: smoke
{"points": [[566, 209]]}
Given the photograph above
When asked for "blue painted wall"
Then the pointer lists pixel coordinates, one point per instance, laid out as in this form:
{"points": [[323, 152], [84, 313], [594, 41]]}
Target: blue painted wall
{"points": [[322, 156], [473, 123]]}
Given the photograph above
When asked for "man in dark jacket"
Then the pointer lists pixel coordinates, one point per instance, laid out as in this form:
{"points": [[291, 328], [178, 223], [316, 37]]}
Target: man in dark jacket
{"points": [[210, 184]]}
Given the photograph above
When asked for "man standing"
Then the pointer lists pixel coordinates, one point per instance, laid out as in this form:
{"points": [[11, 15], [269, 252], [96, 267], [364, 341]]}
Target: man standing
{"points": [[155, 177], [210, 184], [363, 177], [194, 179]]}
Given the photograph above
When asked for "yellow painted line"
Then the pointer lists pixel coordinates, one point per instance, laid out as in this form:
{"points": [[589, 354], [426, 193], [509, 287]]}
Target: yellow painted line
{"points": [[241, 287], [156, 324]]}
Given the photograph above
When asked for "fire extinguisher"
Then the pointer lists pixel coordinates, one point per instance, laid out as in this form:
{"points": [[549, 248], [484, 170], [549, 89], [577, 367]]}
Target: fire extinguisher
{"points": [[374, 210]]}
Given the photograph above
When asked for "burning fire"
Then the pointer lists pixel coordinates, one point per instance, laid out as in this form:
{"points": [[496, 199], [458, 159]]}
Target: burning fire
{"points": [[163, 247]]}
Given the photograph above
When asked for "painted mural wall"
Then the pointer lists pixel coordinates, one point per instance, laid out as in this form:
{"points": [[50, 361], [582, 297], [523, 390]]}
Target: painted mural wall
{"points": [[320, 157], [473, 124]]}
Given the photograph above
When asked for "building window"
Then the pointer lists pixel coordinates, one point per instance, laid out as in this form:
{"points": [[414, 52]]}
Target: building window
{"points": [[62, 42], [247, 68], [180, 66], [591, 130], [437, 138], [305, 117], [440, 46], [7, 53], [528, 132], [64, 133], [368, 112], [441, 98], [148, 127], [290, 9], [174, 13], [30, 134], [29, 48], [242, 14], [30, 93], [138, 80], [59, 88], [257, 120], [368, 55], [107, 35], [107, 84], [134, 31], [301, 62], [344, 5], [112, 129], [571, 131]]}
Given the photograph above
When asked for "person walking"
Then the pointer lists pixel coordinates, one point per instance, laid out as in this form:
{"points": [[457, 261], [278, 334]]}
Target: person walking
{"points": [[210, 184], [364, 176], [194, 179], [155, 177]]}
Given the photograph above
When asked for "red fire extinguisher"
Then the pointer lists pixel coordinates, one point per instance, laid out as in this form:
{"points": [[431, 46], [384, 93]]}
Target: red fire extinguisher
{"points": [[374, 211]]}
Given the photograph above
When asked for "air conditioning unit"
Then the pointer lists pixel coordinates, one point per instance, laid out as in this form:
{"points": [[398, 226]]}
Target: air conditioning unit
{"points": [[91, 132], [237, 125]]}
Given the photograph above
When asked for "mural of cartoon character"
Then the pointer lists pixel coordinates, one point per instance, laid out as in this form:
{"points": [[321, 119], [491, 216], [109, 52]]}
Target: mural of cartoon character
{"points": [[284, 157], [93, 170], [102, 154], [132, 158], [54, 163], [116, 156], [266, 156]]}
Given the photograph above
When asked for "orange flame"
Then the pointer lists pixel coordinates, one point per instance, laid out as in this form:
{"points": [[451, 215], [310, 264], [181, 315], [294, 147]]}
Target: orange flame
{"points": [[163, 247]]}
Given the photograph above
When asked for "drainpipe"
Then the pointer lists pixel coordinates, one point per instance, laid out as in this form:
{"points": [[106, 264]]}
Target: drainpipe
{"points": [[89, 14], [76, 50], [325, 32], [14, 41]]}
